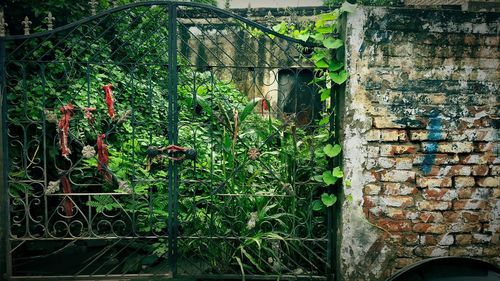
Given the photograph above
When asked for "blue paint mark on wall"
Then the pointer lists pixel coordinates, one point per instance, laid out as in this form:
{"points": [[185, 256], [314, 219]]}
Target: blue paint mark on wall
{"points": [[435, 130]]}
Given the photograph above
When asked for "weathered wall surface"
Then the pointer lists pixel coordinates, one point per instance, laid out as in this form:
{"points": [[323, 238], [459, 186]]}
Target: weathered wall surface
{"points": [[421, 143]]}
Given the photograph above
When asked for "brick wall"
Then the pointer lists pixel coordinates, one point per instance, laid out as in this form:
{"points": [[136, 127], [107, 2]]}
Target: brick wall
{"points": [[421, 139]]}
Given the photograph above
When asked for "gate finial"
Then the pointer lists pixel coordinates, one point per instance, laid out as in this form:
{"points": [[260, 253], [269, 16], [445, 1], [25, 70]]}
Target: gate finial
{"points": [[26, 23], [249, 10], [227, 4], [93, 7], [50, 23], [270, 19], [3, 24]]}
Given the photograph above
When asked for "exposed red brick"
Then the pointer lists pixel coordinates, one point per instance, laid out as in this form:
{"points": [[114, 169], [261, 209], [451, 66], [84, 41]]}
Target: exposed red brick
{"points": [[489, 182], [410, 239], [394, 213], [481, 238], [464, 181], [486, 147], [422, 135], [455, 170], [429, 228], [390, 135], [465, 193], [471, 251], [396, 188], [428, 217], [386, 123], [404, 163], [480, 170], [371, 189], [439, 194], [434, 182], [373, 135], [470, 217], [405, 251], [370, 201], [394, 225], [463, 239], [496, 193], [451, 216], [429, 240], [469, 204], [397, 176], [391, 150], [431, 251], [475, 159], [448, 147], [433, 205], [437, 159], [463, 227], [403, 262], [396, 201]]}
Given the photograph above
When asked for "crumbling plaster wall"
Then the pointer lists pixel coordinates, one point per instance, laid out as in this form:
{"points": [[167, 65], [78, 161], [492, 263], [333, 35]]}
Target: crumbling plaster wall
{"points": [[421, 144]]}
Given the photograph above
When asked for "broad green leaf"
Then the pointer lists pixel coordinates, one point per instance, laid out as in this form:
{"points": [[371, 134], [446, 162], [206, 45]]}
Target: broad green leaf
{"points": [[280, 28], [329, 16], [319, 154], [348, 7], [328, 178], [317, 205], [335, 65], [317, 56], [303, 37], [325, 94], [321, 64], [339, 77], [318, 36], [318, 178], [332, 150], [337, 172], [324, 120], [325, 29], [248, 109], [332, 43], [328, 199]]}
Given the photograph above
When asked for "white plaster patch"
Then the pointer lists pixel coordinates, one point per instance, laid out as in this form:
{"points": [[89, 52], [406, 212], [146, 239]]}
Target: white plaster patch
{"points": [[480, 28], [481, 75]]}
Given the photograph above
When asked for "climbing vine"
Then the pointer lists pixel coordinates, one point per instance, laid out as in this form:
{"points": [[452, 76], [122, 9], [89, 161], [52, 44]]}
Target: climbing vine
{"points": [[330, 70]]}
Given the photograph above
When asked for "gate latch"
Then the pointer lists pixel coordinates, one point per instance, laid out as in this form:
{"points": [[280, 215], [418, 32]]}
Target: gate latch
{"points": [[174, 152]]}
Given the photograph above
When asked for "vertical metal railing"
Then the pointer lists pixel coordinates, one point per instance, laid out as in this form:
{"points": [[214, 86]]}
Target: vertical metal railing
{"points": [[173, 116]]}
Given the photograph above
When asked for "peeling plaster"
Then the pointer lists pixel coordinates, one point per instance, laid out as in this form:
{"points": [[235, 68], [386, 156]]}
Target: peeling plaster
{"points": [[360, 235]]}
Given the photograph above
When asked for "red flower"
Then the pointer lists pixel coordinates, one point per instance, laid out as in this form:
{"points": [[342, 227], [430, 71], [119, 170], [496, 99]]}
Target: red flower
{"points": [[102, 157], [67, 113], [109, 100]]}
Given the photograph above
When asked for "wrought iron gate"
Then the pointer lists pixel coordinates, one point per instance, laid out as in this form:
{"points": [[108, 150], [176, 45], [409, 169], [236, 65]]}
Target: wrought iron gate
{"points": [[162, 139]]}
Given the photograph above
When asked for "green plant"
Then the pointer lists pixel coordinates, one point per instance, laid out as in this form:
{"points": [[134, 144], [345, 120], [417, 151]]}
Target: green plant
{"points": [[258, 180], [323, 32]]}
